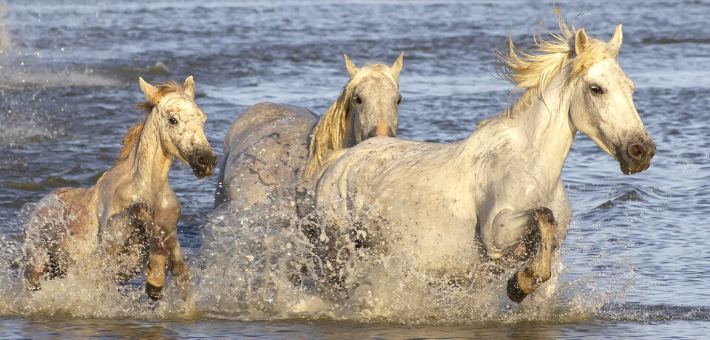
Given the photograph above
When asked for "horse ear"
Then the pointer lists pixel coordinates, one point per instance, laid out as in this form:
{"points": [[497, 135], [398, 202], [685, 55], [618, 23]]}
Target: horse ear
{"points": [[580, 41], [397, 66], [189, 87], [148, 90], [616, 38], [350, 66]]}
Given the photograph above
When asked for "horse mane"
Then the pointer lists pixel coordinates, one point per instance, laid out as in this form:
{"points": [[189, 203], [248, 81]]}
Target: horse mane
{"points": [[130, 139], [532, 70], [331, 131]]}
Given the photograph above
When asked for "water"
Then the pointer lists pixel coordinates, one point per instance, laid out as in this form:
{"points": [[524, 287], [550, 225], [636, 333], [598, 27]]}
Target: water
{"points": [[636, 255]]}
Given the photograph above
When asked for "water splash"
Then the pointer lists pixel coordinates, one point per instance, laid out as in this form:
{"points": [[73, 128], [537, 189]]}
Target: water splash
{"points": [[86, 290], [257, 264]]}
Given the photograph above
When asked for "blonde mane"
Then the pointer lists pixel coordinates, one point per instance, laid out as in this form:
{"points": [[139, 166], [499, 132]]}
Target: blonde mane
{"points": [[331, 131], [532, 70], [130, 139]]}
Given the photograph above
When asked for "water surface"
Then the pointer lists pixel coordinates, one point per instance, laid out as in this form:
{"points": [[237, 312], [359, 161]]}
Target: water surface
{"points": [[636, 255]]}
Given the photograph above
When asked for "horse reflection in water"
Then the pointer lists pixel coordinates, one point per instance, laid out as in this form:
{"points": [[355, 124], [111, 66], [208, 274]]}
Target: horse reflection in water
{"points": [[129, 218], [273, 151], [495, 197]]}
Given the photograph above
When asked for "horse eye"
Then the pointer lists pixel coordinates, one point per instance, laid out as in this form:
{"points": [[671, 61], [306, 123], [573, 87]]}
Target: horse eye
{"points": [[399, 100], [358, 100], [172, 120], [596, 89]]}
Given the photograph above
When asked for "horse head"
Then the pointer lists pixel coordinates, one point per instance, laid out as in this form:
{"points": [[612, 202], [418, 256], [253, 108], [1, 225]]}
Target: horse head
{"points": [[602, 106], [374, 100], [180, 124], [368, 106]]}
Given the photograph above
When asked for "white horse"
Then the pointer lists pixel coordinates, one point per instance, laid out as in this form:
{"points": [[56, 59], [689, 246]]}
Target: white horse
{"points": [[496, 195], [129, 218], [272, 150]]}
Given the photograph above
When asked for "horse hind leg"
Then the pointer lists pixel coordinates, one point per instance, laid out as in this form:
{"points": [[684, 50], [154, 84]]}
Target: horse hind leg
{"points": [[543, 226], [36, 265]]}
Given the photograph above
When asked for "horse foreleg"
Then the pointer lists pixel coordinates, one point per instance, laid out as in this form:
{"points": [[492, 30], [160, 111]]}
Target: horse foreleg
{"points": [[157, 260], [539, 239], [124, 238], [178, 267]]}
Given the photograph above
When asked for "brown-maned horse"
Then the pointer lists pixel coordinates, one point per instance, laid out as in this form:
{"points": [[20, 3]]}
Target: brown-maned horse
{"points": [[129, 218]]}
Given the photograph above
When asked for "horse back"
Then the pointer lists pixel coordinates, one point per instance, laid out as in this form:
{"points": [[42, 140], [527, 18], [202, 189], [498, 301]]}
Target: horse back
{"points": [[257, 120]]}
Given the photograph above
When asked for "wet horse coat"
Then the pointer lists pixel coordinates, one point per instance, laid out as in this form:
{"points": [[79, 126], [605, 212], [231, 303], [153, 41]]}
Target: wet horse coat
{"points": [[497, 196], [129, 218], [272, 151]]}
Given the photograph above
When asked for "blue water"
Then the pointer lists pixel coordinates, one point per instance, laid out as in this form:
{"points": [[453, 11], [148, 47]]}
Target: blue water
{"points": [[636, 256]]}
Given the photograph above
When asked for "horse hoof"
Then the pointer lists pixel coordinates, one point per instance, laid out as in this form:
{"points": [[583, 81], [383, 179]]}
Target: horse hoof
{"points": [[154, 293], [295, 280], [515, 293], [33, 287]]}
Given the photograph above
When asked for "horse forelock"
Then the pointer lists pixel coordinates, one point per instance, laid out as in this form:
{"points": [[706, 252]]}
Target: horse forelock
{"points": [[533, 69], [130, 138], [331, 131]]}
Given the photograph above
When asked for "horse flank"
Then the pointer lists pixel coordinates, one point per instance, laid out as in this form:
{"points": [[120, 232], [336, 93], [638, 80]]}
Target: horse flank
{"points": [[130, 139], [331, 131]]}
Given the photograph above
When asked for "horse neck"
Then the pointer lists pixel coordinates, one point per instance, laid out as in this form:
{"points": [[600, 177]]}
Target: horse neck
{"points": [[542, 127], [149, 162], [545, 124]]}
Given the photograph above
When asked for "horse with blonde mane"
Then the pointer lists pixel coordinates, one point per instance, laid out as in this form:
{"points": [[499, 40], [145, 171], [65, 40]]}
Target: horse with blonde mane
{"points": [[129, 218], [496, 198], [273, 151]]}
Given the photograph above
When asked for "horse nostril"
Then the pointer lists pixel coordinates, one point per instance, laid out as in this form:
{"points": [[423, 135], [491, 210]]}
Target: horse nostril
{"points": [[636, 151]]}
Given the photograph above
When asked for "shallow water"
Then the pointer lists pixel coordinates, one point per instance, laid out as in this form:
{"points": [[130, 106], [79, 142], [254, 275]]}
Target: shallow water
{"points": [[634, 263]]}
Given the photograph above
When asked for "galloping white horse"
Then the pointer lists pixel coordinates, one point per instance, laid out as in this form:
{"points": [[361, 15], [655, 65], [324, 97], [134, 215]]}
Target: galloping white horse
{"points": [[496, 195], [129, 218], [273, 150]]}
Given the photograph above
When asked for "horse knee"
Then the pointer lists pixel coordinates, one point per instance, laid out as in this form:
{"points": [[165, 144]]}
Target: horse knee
{"points": [[545, 221]]}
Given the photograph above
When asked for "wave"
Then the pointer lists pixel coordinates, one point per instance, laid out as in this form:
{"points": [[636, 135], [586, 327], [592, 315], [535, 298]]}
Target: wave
{"points": [[20, 79]]}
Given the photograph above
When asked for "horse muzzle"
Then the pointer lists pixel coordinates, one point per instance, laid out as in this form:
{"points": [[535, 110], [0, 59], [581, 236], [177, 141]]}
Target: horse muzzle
{"points": [[636, 156], [382, 131], [203, 163]]}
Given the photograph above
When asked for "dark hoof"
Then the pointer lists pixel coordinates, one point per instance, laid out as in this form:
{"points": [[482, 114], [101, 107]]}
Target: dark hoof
{"points": [[33, 287], [514, 292], [295, 280], [154, 293]]}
